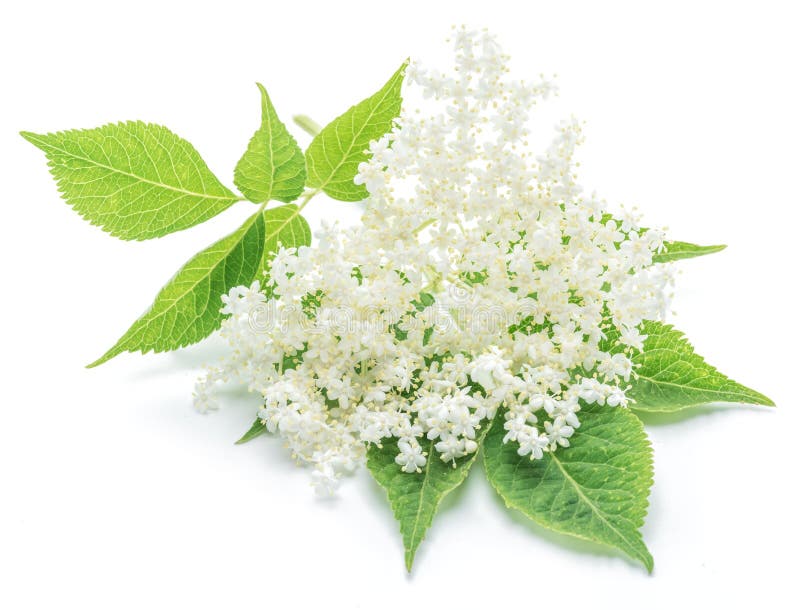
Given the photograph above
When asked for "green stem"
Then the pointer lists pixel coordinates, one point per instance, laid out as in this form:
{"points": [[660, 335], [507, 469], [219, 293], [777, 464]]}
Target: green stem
{"points": [[457, 280], [427, 223], [308, 196], [307, 124]]}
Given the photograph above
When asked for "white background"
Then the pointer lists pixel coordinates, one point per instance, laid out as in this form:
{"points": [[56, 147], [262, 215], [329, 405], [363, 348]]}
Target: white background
{"points": [[115, 494]]}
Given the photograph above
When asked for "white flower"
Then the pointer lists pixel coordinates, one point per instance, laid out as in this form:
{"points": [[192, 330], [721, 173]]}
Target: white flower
{"points": [[204, 399], [324, 480], [534, 444], [632, 337], [450, 448], [617, 398], [241, 299], [618, 365], [591, 391], [558, 432], [489, 370], [481, 282], [410, 456]]}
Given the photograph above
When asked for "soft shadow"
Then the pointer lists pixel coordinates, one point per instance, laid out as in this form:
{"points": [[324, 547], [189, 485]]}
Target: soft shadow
{"points": [[188, 359], [238, 392], [195, 356], [656, 418]]}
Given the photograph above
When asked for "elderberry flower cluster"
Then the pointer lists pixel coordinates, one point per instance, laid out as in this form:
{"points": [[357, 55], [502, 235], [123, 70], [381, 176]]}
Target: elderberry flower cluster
{"points": [[481, 282]]}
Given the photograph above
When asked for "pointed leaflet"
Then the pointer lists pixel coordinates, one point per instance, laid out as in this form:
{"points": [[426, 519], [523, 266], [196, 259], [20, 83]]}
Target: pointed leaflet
{"points": [[135, 180], [670, 376], [678, 250], [415, 497], [273, 166], [333, 156], [257, 429], [188, 308], [595, 489]]}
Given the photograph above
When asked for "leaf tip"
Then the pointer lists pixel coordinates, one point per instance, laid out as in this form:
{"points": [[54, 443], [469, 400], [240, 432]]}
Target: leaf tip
{"points": [[642, 553], [30, 137], [767, 402], [401, 72], [649, 564], [104, 358], [409, 560]]}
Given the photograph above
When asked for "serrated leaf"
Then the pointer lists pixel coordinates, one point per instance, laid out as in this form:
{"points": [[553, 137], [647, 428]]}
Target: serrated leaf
{"points": [[284, 227], [187, 309], [257, 429], [595, 489], [333, 156], [273, 166], [135, 180], [678, 250], [415, 497], [670, 376]]}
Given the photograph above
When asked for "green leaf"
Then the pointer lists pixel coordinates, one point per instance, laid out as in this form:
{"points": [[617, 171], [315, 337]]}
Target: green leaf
{"points": [[333, 156], [595, 489], [257, 429], [187, 309], [273, 166], [135, 180], [670, 376], [678, 250], [415, 497], [284, 227]]}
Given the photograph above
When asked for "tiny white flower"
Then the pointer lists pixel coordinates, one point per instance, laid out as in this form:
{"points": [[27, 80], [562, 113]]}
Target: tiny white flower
{"points": [[410, 456], [480, 278]]}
